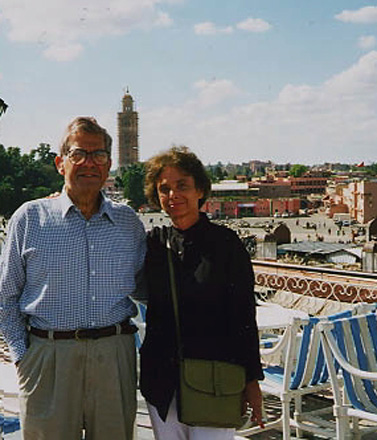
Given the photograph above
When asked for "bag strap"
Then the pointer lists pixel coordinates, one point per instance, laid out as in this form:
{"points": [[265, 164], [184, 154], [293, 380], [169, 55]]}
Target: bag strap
{"points": [[173, 289]]}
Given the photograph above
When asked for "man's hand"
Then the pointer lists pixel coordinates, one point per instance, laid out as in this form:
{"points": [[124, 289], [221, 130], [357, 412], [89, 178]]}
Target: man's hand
{"points": [[53, 195], [252, 398]]}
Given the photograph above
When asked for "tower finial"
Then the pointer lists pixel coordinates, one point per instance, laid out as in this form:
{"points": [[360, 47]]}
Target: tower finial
{"points": [[127, 91]]}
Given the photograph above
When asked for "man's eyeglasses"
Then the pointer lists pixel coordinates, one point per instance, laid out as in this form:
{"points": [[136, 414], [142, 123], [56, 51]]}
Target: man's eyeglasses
{"points": [[78, 156]]}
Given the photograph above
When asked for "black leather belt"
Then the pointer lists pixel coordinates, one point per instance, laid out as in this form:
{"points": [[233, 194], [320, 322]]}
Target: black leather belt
{"points": [[123, 328]]}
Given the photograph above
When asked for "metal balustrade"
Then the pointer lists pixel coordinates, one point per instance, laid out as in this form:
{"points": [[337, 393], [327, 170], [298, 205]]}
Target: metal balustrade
{"points": [[315, 282]]}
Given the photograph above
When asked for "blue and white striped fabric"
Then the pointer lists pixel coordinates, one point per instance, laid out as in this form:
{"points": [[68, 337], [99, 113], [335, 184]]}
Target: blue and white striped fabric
{"points": [[60, 271], [8, 424], [352, 344], [303, 371], [357, 341], [310, 369]]}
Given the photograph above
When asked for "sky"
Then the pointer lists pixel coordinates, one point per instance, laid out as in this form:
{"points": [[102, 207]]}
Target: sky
{"points": [[282, 80]]}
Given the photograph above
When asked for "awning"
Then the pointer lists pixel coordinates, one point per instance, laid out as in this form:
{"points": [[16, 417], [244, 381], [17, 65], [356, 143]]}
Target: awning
{"points": [[246, 205]]}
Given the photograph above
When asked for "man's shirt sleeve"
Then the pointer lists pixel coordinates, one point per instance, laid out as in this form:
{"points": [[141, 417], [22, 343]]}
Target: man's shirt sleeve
{"points": [[12, 280], [140, 294], [142, 245]]}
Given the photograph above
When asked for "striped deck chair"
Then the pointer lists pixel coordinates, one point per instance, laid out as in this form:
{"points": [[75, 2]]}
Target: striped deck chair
{"points": [[269, 340], [303, 372], [8, 425], [364, 308], [352, 343], [139, 320], [9, 420]]}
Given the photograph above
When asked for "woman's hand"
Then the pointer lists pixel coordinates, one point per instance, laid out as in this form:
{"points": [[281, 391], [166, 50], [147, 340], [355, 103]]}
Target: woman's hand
{"points": [[252, 398]]}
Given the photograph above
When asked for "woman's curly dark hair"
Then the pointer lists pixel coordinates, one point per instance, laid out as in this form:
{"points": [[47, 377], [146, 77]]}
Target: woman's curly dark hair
{"points": [[179, 157]]}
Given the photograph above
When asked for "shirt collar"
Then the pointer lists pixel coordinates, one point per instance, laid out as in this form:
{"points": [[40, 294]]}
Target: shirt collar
{"points": [[66, 205], [200, 225], [106, 208]]}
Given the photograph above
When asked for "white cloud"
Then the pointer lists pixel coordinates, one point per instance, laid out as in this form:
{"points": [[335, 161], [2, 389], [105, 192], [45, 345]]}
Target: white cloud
{"points": [[358, 81], [365, 15], [62, 26], [213, 92], [367, 42], [254, 25], [63, 52], [249, 25], [209, 28], [335, 121]]}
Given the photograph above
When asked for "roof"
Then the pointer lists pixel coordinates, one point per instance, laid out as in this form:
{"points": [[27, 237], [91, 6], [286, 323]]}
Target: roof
{"points": [[358, 251], [319, 247], [231, 186]]}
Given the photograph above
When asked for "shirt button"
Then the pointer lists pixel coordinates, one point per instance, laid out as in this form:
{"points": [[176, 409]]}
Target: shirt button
{"points": [[92, 246], [93, 272], [87, 224], [93, 324], [93, 297]]}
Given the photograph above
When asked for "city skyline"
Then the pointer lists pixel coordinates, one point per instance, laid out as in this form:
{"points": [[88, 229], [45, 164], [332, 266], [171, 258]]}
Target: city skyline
{"points": [[234, 81]]}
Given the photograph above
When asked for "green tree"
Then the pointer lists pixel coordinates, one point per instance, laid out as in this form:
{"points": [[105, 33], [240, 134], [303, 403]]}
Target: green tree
{"points": [[371, 169], [219, 173], [7, 198], [298, 170], [26, 176], [133, 184], [118, 182], [43, 154]]}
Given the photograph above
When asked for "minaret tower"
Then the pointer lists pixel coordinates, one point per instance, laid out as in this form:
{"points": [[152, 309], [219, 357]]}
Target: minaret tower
{"points": [[128, 143]]}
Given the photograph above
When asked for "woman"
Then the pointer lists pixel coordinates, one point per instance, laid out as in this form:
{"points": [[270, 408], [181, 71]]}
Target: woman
{"points": [[214, 281]]}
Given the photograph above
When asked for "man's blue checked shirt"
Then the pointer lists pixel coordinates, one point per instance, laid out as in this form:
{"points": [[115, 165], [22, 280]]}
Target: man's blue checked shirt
{"points": [[59, 271]]}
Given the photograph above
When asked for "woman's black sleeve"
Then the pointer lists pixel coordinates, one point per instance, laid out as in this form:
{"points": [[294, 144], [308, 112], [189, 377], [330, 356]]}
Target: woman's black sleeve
{"points": [[243, 312]]}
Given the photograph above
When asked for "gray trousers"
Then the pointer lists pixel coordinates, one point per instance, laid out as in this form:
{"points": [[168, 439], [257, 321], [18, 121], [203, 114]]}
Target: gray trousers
{"points": [[68, 385]]}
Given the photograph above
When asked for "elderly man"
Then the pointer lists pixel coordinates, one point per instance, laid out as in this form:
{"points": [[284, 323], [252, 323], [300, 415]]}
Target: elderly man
{"points": [[67, 270]]}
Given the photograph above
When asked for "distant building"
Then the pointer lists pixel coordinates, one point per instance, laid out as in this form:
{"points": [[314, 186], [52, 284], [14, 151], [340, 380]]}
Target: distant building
{"points": [[230, 188], [309, 183], [271, 188], [230, 198], [128, 142], [251, 208], [111, 189], [337, 253], [333, 200], [257, 166], [361, 199], [358, 198]]}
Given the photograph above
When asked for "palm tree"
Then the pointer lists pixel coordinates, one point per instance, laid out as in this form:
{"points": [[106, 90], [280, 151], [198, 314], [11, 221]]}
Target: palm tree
{"points": [[3, 106]]}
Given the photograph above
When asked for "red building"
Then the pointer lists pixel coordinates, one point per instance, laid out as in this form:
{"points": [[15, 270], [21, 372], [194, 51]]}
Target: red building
{"points": [[251, 208]]}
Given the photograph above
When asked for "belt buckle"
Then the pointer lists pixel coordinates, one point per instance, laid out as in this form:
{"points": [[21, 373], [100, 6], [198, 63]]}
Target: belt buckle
{"points": [[77, 334], [93, 333]]}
